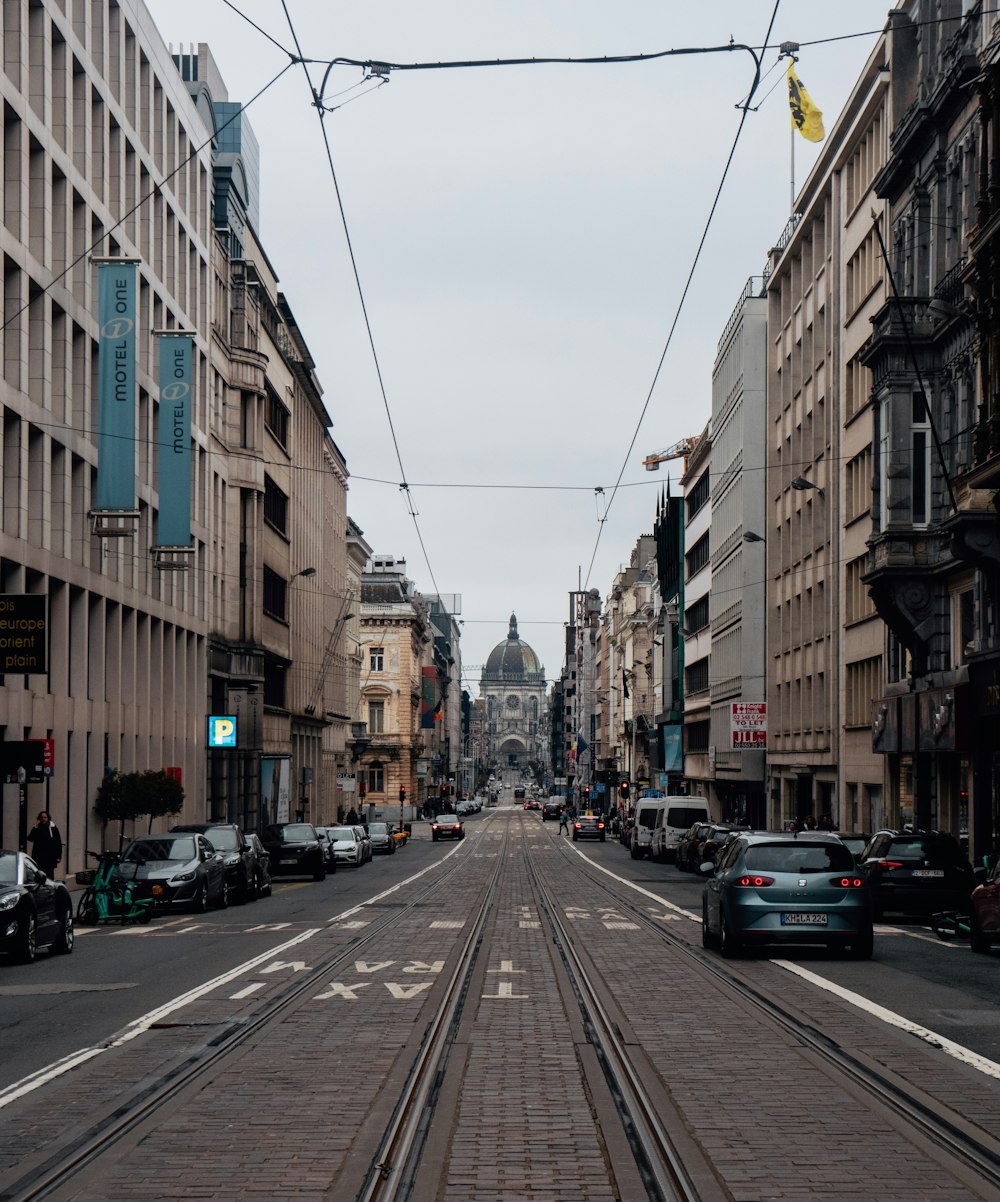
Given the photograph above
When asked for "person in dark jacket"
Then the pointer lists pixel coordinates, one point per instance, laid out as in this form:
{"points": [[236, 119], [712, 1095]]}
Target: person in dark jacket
{"points": [[46, 844]]}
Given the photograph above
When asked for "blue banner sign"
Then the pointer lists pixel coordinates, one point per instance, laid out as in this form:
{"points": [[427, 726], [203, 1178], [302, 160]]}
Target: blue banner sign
{"points": [[116, 385], [176, 396]]}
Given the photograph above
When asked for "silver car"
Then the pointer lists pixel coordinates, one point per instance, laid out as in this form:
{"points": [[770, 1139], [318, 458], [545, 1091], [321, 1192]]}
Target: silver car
{"points": [[380, 834], [181, 869]]}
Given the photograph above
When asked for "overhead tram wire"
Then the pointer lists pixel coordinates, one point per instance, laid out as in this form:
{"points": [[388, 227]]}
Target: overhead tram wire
{"points": [[321, 112], [745, 109]]}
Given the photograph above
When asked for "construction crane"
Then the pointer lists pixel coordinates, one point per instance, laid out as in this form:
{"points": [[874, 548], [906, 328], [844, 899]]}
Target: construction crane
{"points": [[680, 450]]}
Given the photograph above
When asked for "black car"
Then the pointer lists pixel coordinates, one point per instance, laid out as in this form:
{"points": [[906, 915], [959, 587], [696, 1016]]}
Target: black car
{"points": [[227, 839], [35, 911], [295, 849], [551, 809], [916, 872], [588, 826], [688, 846], [261, 864]]}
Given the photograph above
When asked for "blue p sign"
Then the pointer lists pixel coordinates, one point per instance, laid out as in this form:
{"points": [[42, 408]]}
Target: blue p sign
{"points": [[222, 730]]}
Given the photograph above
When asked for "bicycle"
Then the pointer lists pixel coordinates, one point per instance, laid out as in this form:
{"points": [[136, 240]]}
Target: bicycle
{"points": [[948, 923], [112, 895]]}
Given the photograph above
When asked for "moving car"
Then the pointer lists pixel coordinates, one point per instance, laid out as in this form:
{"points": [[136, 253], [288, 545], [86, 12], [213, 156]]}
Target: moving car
{"points": [[916, 872], [551, 808], [227, 839], [984, 923], [346, 844], [447, 826], [295, 849], [35, 911], [786, 888], [181, 867], [588, 826]]}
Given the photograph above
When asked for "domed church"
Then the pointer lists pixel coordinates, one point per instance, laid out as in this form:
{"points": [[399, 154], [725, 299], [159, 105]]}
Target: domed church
{"points": [[512, 688]]}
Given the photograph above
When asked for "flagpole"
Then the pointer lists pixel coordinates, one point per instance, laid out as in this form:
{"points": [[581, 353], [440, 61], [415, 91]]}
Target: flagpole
{"points": [[791, 199]]}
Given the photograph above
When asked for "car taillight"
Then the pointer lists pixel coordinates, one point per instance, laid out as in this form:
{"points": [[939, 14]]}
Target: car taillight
{"points": [[889, 863], [600, 826], [755, 882], [847, 882], [578, 825]]}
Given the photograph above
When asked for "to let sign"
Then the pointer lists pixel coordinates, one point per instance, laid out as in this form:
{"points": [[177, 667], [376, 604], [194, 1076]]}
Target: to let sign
{"points": [[748, 724], [24, 639]]}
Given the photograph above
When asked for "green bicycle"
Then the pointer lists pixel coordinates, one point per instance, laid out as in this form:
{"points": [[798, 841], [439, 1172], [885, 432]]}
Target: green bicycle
{"points": [[111, 895]]}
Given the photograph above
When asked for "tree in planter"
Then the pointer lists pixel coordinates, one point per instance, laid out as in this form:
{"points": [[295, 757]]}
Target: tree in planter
{"points": [[125, 796]]}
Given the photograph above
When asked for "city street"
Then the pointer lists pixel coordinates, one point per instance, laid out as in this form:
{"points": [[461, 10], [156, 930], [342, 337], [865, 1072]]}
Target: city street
{"points": [[513, 1015]]}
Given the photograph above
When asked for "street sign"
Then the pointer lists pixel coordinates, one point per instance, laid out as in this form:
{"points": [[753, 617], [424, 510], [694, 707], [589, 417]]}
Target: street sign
{"points": [[36, 757], [748, 724]]}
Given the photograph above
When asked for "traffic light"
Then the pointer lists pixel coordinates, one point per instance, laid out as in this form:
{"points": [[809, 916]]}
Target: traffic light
{"points": [[402, 794], [623, 790]]}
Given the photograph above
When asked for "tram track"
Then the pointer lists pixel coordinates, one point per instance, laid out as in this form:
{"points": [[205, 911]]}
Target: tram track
{"points": [[973, 1150], [46, 1175]]}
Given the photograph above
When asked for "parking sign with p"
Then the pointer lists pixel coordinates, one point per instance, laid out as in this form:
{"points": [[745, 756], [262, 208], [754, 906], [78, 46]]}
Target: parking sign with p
{"points": [[222, 730]]}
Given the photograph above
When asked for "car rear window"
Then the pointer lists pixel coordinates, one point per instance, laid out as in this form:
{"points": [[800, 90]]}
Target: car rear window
{"points": [[684, 815], [647, 816], [921, 848], [295, 832], [798, 857]]}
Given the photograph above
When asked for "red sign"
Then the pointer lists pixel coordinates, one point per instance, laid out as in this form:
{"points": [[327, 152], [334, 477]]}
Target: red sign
{"points": [[748, 724], [173, 774], [48, 757]]}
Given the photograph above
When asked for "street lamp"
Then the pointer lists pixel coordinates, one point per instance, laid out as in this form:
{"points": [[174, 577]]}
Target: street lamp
{"points": [[801, 484], [303, 572], [751, 536]]}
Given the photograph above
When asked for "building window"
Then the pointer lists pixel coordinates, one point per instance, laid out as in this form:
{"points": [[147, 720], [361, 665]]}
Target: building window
{"points": [[698, 495], [864, 681], [276, 419], [274, 683], [275, 595], [920, 451], [696, 677], [858, 602], [964, 624], [697, 736], [275, 506], [376, 659], [698, 556], [376, 717], [696, 616], [376, 778]]}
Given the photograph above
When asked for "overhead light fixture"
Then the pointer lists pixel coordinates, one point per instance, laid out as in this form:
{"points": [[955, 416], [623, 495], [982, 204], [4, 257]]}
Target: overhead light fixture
{"points": [[803, 485], [304, 572], [751, 536]]}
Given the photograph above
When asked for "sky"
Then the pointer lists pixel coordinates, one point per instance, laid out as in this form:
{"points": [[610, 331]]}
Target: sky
{"points": [[523, 236]]}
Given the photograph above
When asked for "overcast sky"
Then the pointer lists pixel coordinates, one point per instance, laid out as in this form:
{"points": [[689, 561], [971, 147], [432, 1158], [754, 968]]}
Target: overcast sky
{"points": [[522, 236]]}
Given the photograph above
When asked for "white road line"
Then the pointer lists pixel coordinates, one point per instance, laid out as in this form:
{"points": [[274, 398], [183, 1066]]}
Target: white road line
{"points": [[242, 993], [140, 1025], [638, 888], [386, 892], [948, 1046]]}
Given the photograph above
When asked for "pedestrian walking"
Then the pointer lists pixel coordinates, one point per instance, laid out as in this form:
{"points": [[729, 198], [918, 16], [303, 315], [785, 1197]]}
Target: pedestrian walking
{"points": [[46, 844], [352, 817], [563, 821], [809, 822]]}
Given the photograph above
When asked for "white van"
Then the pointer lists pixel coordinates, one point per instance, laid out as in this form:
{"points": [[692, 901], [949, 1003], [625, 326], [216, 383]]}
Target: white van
{"points": [[647, 815], [676, 815]]}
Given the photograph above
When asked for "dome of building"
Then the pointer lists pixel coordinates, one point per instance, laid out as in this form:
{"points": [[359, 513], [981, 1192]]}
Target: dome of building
{"points": [[512, 659]]}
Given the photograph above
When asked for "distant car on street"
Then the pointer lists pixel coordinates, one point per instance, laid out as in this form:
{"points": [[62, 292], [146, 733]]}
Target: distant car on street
{"points": [[447, 826], [916, 872], [261, 864], [380, 834], [588, 826], [227, 839], [179, 868], [551, 808], [346, 844]]}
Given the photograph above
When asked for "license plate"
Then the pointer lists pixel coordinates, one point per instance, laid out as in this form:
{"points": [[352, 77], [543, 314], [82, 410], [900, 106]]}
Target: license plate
{"points": [[803, 920], [928, 872], [291, 861]]}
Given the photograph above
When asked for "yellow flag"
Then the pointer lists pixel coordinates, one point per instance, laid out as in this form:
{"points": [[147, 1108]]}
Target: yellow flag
{"points": [[806, 117]]}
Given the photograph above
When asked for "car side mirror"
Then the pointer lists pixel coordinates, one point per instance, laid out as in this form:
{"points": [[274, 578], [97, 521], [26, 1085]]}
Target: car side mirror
{"points": [[707, 868]]}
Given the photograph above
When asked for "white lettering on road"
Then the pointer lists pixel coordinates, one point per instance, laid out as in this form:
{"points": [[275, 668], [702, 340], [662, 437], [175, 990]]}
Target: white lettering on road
{"points": [[242, 993], [363, 966], [278, 965], [506, 966], [620, 926], [337, 989], [402, 992], [268, 926], [679, 910], [134, 1029], [420, 966], [446, 925], [574, 912], [525, 925], [505, 990]]}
